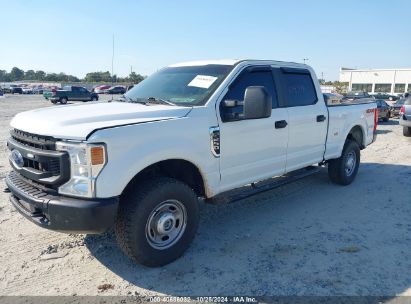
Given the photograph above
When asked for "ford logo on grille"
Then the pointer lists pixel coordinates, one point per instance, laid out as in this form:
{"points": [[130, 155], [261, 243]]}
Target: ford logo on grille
{"points": [[17, 158]]}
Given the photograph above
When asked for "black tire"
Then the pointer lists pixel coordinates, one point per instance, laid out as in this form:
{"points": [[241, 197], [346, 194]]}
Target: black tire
{"points": [[406, 131], [337, 170], [63, 100], [53, 101], [94, 98], [137, 206]]}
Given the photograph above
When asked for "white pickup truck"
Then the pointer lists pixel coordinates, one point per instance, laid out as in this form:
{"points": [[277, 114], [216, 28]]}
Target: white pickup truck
{"points": [[191, 130]]}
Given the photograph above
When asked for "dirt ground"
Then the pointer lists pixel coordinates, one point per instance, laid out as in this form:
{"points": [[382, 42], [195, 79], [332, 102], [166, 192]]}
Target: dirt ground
{"points": [[310, 237]]}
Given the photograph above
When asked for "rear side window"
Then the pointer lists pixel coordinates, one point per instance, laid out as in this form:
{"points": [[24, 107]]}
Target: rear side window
{"points": [[249, 78], [298, 87]]}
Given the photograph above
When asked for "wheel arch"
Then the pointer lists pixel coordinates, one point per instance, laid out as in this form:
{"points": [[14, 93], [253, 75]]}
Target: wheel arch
{"points": [[357, 134], [180, 169]]}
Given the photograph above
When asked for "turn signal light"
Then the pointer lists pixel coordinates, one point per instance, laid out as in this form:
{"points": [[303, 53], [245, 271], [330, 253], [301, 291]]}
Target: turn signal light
{"points": [[97, 155]]}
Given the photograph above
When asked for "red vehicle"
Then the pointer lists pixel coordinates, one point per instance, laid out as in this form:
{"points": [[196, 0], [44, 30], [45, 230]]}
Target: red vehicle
{"points": [[101, 89]]}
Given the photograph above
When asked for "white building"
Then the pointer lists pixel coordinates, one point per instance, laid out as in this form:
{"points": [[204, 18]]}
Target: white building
{"points": [[393, 81]]}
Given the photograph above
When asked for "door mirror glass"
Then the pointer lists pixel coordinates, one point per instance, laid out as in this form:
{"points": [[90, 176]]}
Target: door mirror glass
{"points": [[257, 103]]}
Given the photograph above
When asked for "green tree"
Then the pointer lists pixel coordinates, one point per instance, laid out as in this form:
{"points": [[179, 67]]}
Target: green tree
{"points": [[135, 78], [16, 74], [98, 77], [51, 77], [30, 75], [4, 76], [40, 75]]}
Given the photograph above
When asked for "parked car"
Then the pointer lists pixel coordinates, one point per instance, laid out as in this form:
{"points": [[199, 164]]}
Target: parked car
{"points": [[70, 93], [101, 89], [116, 90], [354, 95], [405, 115], [1, 92], [384, 110], [27, 90], [396, 107], [385, 96], [130, 87], [9, 88], [16, 90], [38, 90], [191, 130]]}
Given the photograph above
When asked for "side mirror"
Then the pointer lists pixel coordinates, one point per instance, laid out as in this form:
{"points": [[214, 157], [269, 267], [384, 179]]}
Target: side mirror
{"points": [[257, 103]]}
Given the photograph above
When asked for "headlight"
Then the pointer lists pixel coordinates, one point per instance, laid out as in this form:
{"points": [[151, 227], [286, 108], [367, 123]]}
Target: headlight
{"points": [[86, 162]]}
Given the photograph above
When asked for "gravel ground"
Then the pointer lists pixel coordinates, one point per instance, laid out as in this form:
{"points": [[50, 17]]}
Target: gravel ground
{"points": [[306, 238]]}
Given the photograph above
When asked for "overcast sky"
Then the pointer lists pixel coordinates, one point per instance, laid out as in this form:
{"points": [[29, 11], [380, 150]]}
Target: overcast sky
{"points": [[75, 37]]}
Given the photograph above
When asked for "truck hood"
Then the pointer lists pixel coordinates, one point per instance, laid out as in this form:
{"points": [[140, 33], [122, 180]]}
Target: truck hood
{"points": [[79, 120]]}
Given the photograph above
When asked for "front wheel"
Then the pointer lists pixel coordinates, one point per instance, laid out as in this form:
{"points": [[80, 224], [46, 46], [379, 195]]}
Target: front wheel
{"points": [[63, 100], [343, 170], [406, 131], [157, 221]]}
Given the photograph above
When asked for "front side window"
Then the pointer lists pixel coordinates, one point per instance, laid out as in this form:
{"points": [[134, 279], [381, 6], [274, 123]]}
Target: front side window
{"points": [[298, 88], [250, 78], [183, 86]]}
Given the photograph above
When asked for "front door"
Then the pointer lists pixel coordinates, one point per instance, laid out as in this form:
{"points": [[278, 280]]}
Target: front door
{"points": [[254, 149]]}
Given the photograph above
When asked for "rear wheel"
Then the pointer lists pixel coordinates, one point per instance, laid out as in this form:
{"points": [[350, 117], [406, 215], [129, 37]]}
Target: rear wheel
{"points": [[157, 221], [343, 170], [94, 98], [53, 101], [63, 100], [406, 131]]}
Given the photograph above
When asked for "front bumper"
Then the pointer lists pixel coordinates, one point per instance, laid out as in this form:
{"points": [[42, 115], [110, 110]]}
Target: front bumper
{"points": [[61, 213]]}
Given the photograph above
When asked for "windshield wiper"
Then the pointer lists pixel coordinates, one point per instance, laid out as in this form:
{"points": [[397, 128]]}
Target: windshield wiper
{"points": [[160, 101]]}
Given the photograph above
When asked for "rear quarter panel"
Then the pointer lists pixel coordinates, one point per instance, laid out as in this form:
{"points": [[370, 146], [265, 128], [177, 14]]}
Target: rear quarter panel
{"points": [[342, 119]]}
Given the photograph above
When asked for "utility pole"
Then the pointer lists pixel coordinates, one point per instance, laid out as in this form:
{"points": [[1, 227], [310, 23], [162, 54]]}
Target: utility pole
{"points": [[112, 64]]}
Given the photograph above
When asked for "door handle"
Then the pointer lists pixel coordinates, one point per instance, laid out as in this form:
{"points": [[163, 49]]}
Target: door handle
{"points": [[280, 124], [321, 118]]}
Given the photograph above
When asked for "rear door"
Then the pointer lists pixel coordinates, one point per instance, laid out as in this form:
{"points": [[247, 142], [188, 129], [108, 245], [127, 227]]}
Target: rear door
{"points": [[254, 149], [307, 117], [75, 94], [84, 94]]}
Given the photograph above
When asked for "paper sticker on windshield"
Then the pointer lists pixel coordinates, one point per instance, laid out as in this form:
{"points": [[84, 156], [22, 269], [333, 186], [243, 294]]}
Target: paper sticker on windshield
{"points": [[202, 81]]}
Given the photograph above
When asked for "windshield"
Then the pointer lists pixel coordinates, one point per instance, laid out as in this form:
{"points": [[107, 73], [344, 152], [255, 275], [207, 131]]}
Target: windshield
{"points": [[183, 86]]}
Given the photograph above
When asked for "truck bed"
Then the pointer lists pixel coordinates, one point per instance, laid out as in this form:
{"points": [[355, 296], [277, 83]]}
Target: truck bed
{"points": [[342, 117]]}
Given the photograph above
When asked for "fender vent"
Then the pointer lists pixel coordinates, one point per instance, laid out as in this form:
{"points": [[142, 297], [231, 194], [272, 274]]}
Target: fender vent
{"points": [[215, 141]]}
